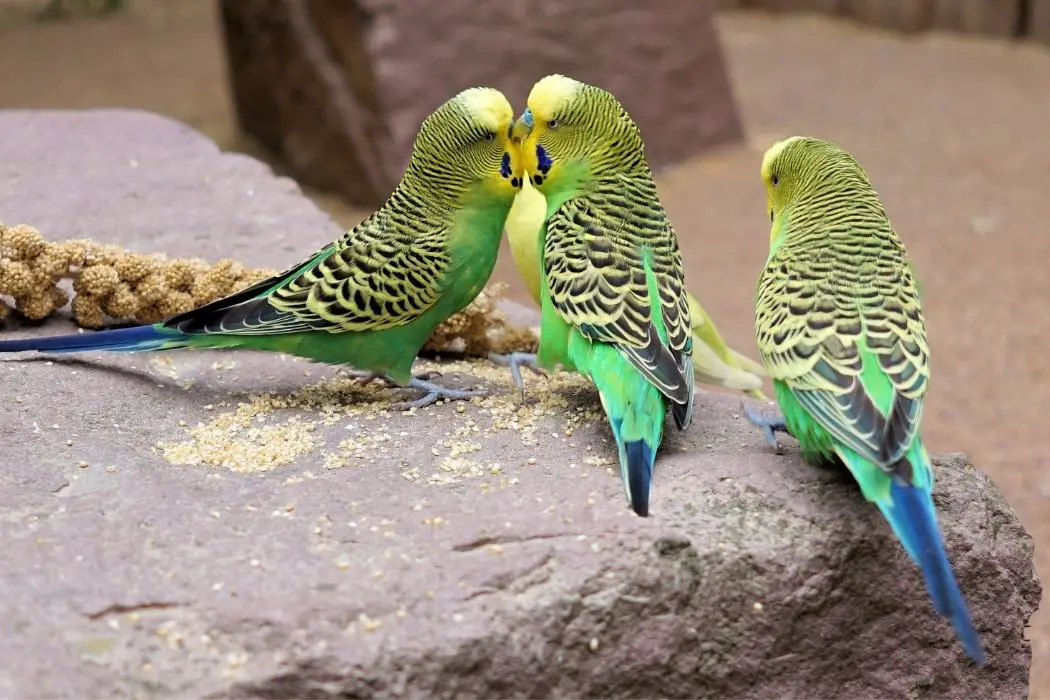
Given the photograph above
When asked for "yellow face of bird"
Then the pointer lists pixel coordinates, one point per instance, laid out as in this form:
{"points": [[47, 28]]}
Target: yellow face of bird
{"points": [[777, 180], [794, 168], [468, 140], [563, 126]]}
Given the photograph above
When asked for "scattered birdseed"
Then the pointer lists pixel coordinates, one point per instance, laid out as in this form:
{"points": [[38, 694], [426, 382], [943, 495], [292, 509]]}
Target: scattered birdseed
{"points": [[368, 624], [254, 436]]}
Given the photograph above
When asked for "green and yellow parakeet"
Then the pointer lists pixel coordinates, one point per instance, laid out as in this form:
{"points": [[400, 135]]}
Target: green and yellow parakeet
{"points": [[714, 362], [372, 298], [612, 290], [840, 330]]}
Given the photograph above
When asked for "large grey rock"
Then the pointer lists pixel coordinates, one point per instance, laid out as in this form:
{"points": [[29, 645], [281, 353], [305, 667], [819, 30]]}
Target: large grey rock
{"points": [[336, 89], [482, 553]]}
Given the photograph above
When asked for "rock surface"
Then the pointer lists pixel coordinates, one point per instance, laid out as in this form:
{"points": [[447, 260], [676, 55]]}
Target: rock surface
{"points": [[337, 89], [336, 550]]}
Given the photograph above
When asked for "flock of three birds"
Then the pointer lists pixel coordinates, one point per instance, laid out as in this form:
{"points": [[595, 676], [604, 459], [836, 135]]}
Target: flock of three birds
{"points": [[838, 318]]}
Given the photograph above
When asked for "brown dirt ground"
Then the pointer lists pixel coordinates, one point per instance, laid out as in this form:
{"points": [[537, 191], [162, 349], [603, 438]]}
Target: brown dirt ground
{"points": [[951, 129]]}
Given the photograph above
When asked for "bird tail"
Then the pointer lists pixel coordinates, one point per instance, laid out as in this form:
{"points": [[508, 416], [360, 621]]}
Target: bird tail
{"points": [[636, 411], [717, 364], [636, 471], [911, 513], [713, 370], [747, 364], [134, 339]]}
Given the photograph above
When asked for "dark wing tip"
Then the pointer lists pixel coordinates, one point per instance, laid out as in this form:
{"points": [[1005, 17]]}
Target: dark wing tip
{"points": [[660, 366], [683, 412]]}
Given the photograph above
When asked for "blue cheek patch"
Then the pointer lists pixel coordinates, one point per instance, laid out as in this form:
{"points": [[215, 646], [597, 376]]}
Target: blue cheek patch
{"points": [[504, 166], [543, 160]]}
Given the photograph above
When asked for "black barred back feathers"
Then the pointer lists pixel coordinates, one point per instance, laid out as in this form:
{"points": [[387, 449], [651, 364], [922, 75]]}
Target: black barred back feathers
{"points": [[452, 153], [599, 242], [384, 272], [840, 277], [621, 148]]}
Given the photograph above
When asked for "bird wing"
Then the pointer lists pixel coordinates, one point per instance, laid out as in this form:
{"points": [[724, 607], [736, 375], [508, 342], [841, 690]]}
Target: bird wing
{"points": [[853, 352], [604, 256], [381, 274]]}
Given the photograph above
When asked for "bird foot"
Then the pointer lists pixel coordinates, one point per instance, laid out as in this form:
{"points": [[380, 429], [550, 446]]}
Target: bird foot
{"points": [[434, 393], [517, 360], [366, 378], [769, 424]]}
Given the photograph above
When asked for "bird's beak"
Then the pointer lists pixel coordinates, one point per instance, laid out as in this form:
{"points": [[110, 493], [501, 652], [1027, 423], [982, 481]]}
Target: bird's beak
{"points": [[522, 127]]}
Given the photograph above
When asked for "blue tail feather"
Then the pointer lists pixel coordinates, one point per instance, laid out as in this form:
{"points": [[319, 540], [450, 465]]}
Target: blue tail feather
{"points": [[639, 457], [636, 468], [134, 339], [914, 520]]}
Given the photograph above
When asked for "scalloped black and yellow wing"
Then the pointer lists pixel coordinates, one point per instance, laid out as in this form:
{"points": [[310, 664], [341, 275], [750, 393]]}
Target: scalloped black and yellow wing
{"points": [[381, 274], [844, 329], [614, 272]]}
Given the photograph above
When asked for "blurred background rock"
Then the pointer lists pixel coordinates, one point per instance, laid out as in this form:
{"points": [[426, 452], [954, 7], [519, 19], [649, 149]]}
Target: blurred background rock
{"points": [[945, 102]]}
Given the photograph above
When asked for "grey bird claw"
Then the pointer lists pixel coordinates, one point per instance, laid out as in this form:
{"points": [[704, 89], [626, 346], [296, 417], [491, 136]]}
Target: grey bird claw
{"points": [[517, 360], [434, 393], [769, 426], [366, 378]]}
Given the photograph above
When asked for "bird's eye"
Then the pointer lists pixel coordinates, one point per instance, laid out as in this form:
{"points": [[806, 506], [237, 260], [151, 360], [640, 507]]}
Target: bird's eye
{"points": [[489, 136], [553, 124], [775, 180]]}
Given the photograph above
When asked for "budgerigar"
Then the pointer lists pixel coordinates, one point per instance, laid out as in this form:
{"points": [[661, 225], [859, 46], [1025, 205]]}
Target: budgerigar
{"points": [[372, 298], [840, 330], [612, 292], [714, 362]]}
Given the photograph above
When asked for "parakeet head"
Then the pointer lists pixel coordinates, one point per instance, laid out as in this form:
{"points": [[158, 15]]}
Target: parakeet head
{"points": [[570, 129], [464, 147], [801, 167]]}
